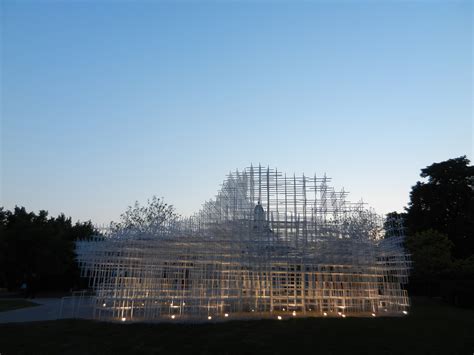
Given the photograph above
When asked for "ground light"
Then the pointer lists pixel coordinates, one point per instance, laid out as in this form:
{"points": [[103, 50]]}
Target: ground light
{"points": [[226, 315], [279, 317]]}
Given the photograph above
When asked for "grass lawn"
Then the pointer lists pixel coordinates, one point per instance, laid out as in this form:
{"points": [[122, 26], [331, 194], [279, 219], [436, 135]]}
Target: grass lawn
{"points": [[9, 305], [430, 328]]}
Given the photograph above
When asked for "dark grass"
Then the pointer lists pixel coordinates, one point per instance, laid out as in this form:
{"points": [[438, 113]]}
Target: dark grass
{"points": [[10, 305], [430, 328]]}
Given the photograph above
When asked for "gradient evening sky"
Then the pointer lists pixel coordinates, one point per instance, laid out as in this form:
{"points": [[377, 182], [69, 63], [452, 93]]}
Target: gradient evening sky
{"points": [[108, 102]]}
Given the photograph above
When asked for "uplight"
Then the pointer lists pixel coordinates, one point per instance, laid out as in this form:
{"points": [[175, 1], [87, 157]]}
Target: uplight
{"points": [[325, 314], [279, 317], [294, 313], [405, 312], [343, 316], [226, 315], [173, 316], [209, 317], [373, 314], [124, 319]]}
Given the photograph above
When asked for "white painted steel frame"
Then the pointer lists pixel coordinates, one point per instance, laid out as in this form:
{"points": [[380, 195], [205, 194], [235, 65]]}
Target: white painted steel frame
{"points": [[268, 245]]}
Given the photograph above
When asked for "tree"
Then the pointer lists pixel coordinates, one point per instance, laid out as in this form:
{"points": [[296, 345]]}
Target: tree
{"points": [[445, 203], [35, 246], [393, 224], [431, 254], [153, 218]]}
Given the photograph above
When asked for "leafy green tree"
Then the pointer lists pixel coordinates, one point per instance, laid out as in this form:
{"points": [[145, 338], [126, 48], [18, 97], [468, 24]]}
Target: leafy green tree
{"points": [[431, 254], [152, 218], [445, 202], [464, 268], [33, 246], [394, 224]]}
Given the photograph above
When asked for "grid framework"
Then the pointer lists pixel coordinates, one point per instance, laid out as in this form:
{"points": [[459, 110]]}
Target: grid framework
{"points": [[268, 245]]}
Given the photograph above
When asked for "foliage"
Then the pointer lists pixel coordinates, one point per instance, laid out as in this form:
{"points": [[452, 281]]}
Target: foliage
{"points": [[464, 268], [431, 253], [393, 224], [150, 219], [39, 250], [445, 203]]}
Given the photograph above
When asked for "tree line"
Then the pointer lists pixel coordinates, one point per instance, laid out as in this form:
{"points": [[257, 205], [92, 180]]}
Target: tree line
{"points": [[439, 221], [37, 251]]}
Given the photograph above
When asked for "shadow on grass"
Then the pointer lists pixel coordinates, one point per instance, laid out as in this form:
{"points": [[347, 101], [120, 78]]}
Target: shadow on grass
{"points": [[12, 304], [430, 328]]}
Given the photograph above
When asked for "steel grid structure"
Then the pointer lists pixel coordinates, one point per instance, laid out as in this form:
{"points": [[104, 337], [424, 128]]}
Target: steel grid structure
{"points": [[268, 245]]}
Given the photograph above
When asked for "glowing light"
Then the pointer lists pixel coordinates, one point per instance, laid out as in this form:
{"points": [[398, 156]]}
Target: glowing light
{"points": [[253, 310], [173, 316], [124, 319], [294, 313], [339, 313], [279, 317], [343, 316], [226, 314], [325, 314], [373, 314], [104, 305], [209, 317], [283, 309], [405, 312]]}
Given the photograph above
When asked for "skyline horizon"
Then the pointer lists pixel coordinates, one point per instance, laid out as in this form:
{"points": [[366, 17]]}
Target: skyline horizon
{"points": [[169, 202]]}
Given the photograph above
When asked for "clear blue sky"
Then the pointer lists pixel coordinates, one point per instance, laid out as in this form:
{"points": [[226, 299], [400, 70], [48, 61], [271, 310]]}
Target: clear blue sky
{"points": [[108, 102]]}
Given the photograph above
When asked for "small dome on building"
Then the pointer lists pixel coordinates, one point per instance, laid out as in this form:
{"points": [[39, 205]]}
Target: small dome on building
{"points": [[259, 216], [258, 212]]}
